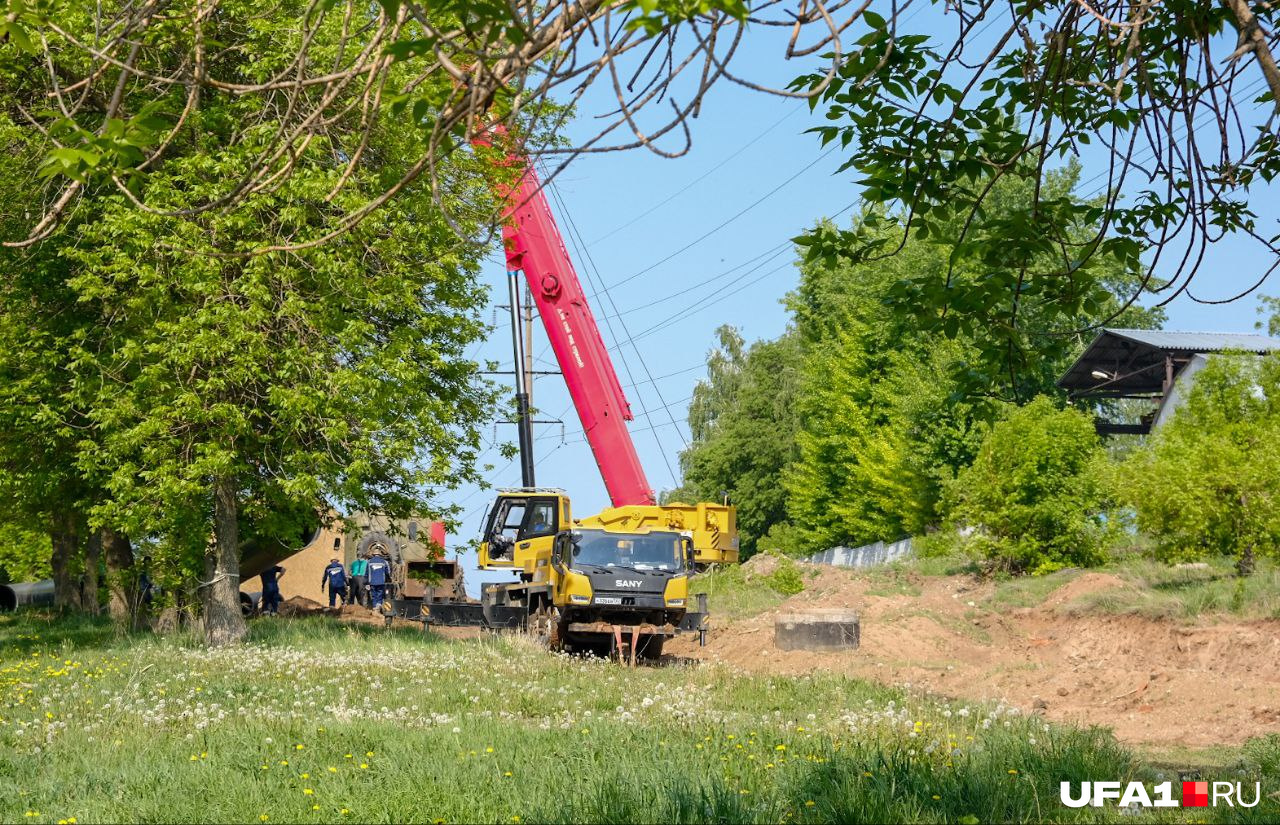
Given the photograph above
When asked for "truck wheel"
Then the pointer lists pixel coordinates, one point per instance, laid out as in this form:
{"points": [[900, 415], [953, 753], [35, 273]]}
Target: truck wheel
{"points": [[649, 648]]}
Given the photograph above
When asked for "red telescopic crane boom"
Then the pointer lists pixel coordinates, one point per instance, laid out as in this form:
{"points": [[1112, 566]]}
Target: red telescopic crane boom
{"points": [[534, 246]]}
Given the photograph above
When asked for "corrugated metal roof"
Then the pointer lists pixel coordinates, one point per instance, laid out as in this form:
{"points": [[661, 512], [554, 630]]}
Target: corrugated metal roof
{"points": [[1120, 362], [1198, 341]]}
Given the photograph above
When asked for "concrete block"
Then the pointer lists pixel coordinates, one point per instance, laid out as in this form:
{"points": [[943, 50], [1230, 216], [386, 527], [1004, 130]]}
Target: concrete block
{"points": [[817, 629]]}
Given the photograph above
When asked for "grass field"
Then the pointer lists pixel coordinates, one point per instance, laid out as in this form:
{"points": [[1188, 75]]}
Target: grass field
{"points": [[314, 722]]}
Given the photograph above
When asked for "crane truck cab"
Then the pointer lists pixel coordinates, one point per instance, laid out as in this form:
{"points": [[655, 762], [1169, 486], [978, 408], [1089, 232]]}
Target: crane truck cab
{"points": [[596, 589]]}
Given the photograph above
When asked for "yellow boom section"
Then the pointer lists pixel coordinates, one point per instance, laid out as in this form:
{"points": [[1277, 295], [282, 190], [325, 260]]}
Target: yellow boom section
{"points": [[714, 527]]}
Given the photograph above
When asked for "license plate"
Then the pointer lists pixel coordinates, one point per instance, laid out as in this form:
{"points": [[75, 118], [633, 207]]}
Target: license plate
{"points": [[608, 600]]}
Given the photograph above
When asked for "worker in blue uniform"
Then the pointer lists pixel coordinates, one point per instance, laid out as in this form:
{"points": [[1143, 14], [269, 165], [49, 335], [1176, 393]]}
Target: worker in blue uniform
{"points": [[271, 589], [379, 573], [335, 576]]}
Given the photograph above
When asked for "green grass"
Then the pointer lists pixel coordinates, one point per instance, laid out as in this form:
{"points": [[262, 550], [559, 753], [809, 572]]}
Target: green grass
{"points": [[315, 722], [1029, 591], [1162, 591], [734, 593]]}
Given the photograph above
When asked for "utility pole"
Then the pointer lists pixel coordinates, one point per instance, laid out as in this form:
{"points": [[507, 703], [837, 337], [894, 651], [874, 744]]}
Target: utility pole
{"points": [[523, 380], [528, 344]]}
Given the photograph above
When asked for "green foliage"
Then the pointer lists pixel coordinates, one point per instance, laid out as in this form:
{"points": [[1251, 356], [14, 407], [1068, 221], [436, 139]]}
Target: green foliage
{"points": [[786, 578], [933, 130], [1036, 494], [1205, 484], [24, 554], [147, 354], [743, 421]]}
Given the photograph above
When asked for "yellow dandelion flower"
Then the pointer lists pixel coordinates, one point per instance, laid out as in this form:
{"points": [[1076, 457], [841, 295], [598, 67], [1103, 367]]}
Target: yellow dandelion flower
{"points": [[935, 796], [332, 769], [306, 776], [1013, 771], [284, 762], [586, 730], [263, 818], [299, 747], [348, 756], [204, 754], [508, 773], [809, 803], [515, 817], [364, 766], [488, 750], [345, 811], [315, 807], [308, 791], [264, 767], [193, 758], [780, 747], [368, 753]]}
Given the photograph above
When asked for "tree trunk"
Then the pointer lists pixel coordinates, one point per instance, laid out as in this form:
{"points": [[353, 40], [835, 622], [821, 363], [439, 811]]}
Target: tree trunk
{"points": [[65, 539], [1246, 563], [89, 584], [223, 622], [122, 581]]}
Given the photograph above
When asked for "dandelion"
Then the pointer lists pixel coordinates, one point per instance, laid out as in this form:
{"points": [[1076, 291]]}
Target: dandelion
{"points": [[780, 747], [348, 756], [332, 769], [193, 758], [488, 750], [364, 766], [344, 811], [306, 776], [308, 791], [515, 817], [263, 818], [508, 773], [1013, 771], [809, 803], [284, 762], [368, 753], [299, 747], [315, 807], [935, 796]]}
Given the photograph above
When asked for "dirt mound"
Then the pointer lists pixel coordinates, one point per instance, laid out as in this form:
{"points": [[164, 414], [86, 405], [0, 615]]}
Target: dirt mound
{"points": [[300, 606], [1085, 585], [1154, 682], [761, 564]]}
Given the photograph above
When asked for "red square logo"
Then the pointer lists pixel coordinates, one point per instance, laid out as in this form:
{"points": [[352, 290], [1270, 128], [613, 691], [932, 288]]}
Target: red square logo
{"points": [[1195, 794]]}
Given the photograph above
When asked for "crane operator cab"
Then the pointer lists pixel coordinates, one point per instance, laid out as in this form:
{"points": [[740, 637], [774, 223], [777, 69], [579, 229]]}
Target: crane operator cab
{"points": [[520, 530]]}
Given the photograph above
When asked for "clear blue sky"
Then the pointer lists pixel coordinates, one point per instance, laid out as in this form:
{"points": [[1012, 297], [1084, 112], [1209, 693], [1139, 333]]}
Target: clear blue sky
{"points": [[752, 180]]}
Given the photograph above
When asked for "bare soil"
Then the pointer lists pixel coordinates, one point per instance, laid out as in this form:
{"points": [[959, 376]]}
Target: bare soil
{"points": [[1157, 684]]}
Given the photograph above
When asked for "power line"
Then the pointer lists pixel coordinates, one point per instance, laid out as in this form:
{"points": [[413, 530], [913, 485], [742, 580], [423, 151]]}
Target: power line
{"points": [[731, 156], [729, 220], [604, 290]]}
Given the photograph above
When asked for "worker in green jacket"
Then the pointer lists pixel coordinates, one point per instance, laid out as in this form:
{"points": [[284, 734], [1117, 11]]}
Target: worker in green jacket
{"points": [[360, 579]]}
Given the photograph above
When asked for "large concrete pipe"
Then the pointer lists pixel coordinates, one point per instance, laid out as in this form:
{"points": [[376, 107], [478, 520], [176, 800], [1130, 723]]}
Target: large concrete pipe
{"points": [[22, 594]]}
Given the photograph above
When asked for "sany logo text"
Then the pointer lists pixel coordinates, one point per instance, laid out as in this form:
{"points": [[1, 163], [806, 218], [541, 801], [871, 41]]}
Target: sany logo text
{"points": [[1194, 794]]}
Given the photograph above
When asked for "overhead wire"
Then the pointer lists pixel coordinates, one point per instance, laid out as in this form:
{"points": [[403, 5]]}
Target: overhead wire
{"points": [[575, 237]]}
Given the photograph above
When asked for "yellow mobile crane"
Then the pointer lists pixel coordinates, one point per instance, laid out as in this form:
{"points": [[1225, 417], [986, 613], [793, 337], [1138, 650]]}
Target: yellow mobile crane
{"points": [[617, 579]]}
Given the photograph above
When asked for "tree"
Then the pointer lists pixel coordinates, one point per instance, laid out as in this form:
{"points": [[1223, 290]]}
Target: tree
{"points": [[1168, 92], [1205, 483], [894, 404], [743, 421], [1037, 492], [219, 397]]}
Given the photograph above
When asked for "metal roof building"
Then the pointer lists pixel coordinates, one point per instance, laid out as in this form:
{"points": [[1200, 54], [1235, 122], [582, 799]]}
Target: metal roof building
{"points": [[1151, 364]]}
